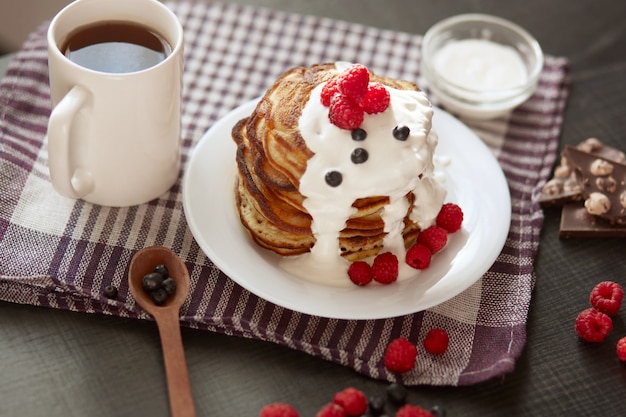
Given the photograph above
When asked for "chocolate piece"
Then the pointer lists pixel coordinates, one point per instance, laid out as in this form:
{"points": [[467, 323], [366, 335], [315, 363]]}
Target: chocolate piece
{"points": [[563, 186], [554, 193], [603, 182], [577, 222]]}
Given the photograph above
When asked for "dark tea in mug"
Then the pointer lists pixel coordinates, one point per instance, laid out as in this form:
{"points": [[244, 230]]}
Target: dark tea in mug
{"points": [[116, 47]]}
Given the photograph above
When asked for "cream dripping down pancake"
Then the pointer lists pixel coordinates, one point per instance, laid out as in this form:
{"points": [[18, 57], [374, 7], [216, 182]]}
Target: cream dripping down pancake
{"points": [[323, 196]]}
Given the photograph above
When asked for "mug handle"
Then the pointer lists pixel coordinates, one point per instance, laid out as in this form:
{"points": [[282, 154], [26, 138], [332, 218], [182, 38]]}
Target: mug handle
{"points": [[70, 182]]}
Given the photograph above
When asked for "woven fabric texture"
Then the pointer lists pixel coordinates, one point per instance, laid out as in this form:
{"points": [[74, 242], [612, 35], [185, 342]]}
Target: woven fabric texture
{"points": [[60, 253]]}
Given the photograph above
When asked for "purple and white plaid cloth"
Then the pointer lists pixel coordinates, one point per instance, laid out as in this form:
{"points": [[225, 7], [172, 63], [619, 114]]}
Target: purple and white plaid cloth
{"points": [[60, 253]]}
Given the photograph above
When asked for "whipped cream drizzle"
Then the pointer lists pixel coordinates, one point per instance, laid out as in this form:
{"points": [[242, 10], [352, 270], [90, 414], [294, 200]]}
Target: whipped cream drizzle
{"points": [[393, 169]]}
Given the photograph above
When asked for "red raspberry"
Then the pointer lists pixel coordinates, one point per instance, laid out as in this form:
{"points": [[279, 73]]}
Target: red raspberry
{"points": [[376, 100], [353, 401], [360, 273], [418, 256], [434, 238], [278, 410], [607, 297], [331, 410], [450, 217], [436, 341], [593, 325], [400, 355], [385, 268], [345, 113], [353, 81], [328, 91], [621, 349], [409, 410]]}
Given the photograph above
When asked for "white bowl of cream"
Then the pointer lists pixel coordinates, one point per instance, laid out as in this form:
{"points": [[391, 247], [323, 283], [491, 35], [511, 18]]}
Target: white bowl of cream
{"points": [[480, 66]]}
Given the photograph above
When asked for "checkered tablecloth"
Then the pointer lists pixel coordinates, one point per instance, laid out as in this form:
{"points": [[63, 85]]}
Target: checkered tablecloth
{"points": [[60, 253]]}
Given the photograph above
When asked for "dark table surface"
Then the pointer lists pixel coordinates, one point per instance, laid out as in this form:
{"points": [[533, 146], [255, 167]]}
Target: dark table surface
{"points": [[59, 363]]}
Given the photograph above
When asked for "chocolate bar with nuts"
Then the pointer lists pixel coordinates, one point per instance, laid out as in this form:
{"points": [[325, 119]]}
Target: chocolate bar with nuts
{"points": [[603, 184], [563, 187]]}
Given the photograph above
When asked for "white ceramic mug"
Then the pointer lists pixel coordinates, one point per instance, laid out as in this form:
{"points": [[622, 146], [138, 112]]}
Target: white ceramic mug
{"points": [[114, 138]]}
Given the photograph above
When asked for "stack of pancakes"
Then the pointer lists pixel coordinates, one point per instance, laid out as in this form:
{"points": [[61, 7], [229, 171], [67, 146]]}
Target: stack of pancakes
{"points": [[272, 157]]}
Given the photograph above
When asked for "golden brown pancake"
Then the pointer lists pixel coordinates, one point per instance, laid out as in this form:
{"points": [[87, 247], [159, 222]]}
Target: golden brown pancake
{"points": [[272, 156]]}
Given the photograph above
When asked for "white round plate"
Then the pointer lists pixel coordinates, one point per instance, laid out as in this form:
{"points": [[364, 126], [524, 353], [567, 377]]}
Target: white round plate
{"points": [[474, 181]]}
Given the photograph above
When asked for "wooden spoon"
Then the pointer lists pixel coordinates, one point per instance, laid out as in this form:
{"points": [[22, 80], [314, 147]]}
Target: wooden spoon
{"points": [[167, 319]]}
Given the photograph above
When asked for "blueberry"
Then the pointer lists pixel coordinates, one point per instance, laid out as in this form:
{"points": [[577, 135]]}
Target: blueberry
{"points": [[376, 405], [169, 285], [333, 178], [401, 132], [359, 134], [359, 156], [151, 281], [159, 296], [396, 393], [110, 291], [162, 269]]}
